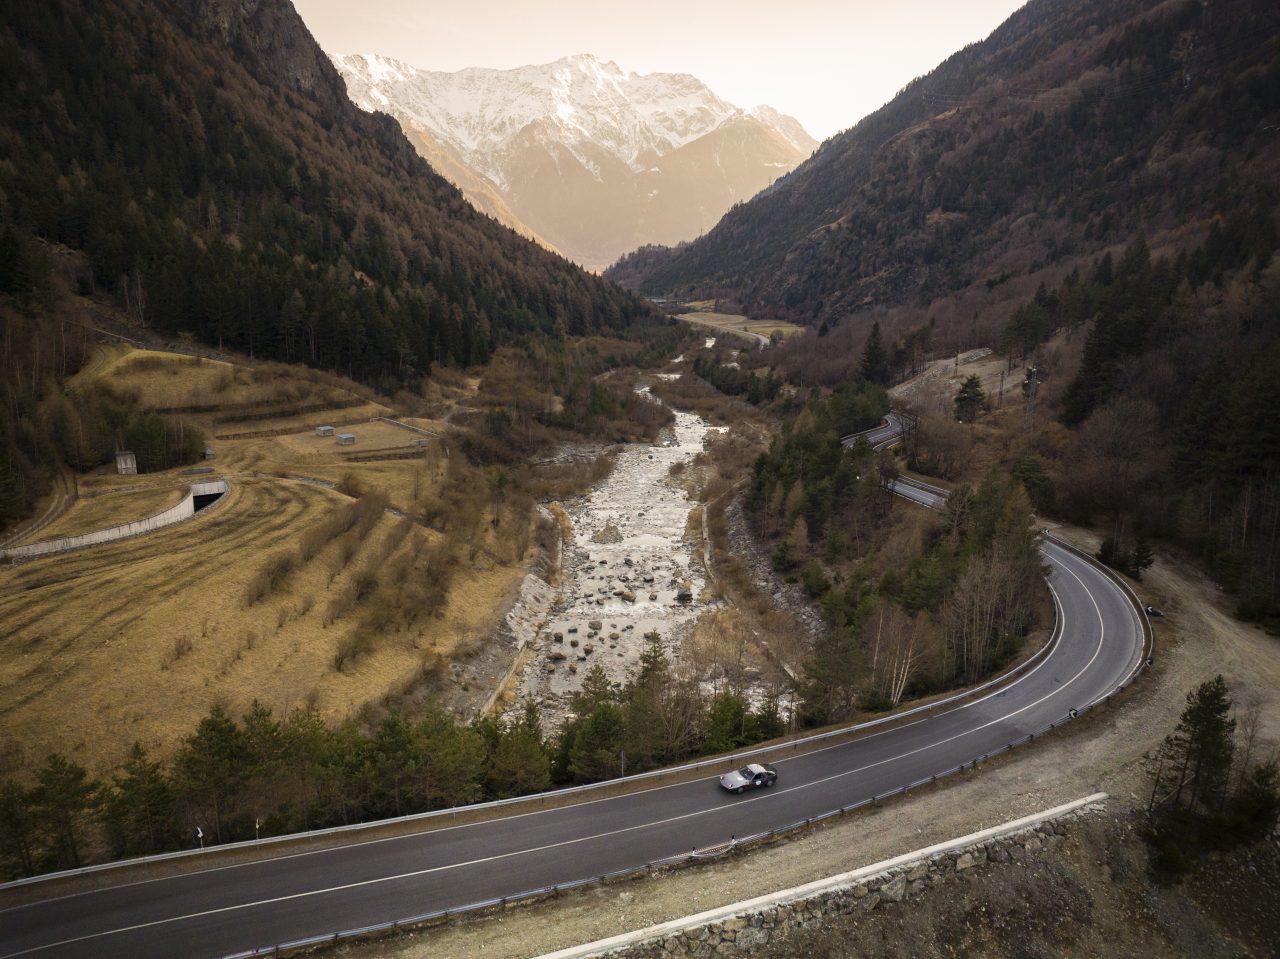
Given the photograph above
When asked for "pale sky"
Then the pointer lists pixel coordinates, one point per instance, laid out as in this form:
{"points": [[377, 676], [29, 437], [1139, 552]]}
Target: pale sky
{"points": [[826, 62]]}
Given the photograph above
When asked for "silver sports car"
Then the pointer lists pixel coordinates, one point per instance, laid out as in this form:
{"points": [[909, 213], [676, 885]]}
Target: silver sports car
{"points": [[749, 777]]}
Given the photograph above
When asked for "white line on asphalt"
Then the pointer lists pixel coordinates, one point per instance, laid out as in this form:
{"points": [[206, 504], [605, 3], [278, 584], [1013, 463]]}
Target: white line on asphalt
{"points": [[580, 839]]}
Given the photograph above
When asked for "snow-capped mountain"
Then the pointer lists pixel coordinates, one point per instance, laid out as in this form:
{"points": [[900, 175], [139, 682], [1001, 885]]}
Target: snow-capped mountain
{"points": [[591, 159]]}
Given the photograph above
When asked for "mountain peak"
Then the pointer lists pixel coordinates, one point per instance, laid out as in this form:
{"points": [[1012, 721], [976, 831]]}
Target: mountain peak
{"points": [[583, 124]]}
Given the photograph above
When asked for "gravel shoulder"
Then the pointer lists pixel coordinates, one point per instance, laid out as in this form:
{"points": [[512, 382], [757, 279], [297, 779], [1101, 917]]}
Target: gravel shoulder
{"points": [[1196, 640]]}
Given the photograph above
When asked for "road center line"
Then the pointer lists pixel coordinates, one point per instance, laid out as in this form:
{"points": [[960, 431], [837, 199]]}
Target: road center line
{"points": [[583, 839]]}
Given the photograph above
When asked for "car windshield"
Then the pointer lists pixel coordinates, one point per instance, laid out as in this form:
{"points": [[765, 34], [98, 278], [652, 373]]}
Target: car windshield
{"points": [[745, 772]]}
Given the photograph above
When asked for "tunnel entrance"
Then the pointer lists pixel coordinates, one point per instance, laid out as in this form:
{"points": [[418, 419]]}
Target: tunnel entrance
{"points": [[201, 500]]}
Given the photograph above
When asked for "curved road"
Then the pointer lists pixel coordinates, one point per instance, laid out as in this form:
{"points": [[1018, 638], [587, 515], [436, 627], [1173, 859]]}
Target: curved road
{"points": [[221, 911]]}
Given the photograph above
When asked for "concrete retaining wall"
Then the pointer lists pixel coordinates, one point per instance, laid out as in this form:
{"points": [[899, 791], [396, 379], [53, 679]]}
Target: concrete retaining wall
{"points": [[754, 923], [174, 514]]}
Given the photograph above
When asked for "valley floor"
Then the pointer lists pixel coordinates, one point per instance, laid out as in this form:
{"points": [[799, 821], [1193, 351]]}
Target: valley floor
{"points": [[1196, 640]]}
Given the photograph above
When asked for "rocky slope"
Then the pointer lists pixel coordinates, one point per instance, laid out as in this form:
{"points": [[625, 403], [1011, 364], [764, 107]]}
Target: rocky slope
{"points": [[594, 160]]}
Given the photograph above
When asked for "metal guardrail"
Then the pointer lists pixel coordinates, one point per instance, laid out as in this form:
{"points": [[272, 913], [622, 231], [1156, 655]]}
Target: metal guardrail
{"points": [[733, 759], [722, 849], [718, 851]]}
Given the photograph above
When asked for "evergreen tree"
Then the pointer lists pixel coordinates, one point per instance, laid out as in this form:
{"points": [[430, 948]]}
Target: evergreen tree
{"points": [[598, 742], [1195, 759], [726, 724], [17, 829], [875, 362], [970, 400], [61, 803], [210, 771], [832, 677], [519, 763], [139, 810]]}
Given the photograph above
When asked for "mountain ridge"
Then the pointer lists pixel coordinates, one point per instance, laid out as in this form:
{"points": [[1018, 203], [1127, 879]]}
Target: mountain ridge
{"points": [[1051, 140], [581, 115]]}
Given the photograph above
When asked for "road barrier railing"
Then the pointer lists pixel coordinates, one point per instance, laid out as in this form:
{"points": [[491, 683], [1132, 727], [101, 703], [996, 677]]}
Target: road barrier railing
{"points": [[718, 762], [694, 855], [716, 851]]}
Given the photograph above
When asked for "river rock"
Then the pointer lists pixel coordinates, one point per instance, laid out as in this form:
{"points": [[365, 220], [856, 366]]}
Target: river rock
{"points": [[609, 534], [628, 597], [596, 625]]}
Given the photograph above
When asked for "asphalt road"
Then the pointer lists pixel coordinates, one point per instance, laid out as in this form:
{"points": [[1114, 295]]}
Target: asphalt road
{"points": [[226, 910]]}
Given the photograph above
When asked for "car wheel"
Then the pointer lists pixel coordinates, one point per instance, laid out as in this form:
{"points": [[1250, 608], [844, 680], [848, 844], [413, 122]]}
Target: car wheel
{"points": [[740, 790], [769, 783]]}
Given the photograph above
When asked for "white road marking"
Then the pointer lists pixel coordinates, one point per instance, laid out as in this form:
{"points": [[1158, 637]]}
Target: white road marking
{"points": [[603, 835]]}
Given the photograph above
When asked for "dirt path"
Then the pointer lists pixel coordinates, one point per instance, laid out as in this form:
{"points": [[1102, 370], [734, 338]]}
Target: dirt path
{"points": [[1196, 640], [64, 494]]}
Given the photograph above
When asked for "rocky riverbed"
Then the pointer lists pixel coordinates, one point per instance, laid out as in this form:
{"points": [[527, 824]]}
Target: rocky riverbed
{"points": [[629, 568]]}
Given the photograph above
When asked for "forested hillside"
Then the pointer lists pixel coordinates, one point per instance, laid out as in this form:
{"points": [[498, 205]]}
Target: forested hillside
{"points": [[204, 154], [197, 165], [1076, 126]]}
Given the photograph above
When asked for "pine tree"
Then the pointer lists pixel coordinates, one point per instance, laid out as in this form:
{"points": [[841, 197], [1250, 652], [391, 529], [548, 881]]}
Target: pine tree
{"points": [[17, 828], [875, 363], [211, 768], [1194, 763], [140, 810], [970, 400], [61, 803]]}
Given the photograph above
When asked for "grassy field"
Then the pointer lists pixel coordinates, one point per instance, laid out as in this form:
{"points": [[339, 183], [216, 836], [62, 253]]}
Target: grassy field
{"points": [[704, 315], [136, 640], [111, 508]]}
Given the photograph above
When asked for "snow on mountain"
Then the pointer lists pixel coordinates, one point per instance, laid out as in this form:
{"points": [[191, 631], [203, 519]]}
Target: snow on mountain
{"points": [[514, 128]]}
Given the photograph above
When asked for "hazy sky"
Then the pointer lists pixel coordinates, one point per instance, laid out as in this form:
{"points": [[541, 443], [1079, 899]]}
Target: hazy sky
{"points": [[826, 62]]}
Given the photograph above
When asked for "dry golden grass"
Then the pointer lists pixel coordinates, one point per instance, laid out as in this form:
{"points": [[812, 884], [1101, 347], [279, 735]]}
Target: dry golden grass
{"points": [[739, 324], [369, 437], [90, 513], [136, 640], [167, 379]]}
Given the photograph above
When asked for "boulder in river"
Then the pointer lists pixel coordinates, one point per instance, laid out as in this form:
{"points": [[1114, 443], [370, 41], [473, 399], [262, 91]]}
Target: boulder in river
{"points": [[684, 593], [628, 597], [610, 534], [594, 624]]}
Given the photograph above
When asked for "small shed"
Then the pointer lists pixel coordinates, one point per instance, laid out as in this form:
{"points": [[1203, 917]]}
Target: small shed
{"points": [[208, 452], [126, 463], [324, 431], [346, 439]]}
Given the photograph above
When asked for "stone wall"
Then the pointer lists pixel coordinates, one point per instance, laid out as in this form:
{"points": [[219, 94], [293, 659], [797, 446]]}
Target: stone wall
{"points": [[752, 925]]}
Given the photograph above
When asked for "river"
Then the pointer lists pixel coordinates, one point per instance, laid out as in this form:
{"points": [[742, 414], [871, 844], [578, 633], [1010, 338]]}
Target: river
{"points": [[624, 571]]}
